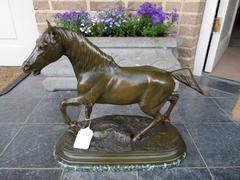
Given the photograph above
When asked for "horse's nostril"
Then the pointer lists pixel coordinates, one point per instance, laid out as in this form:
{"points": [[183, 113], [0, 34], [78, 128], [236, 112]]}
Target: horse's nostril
{"points": [[26, 67]]}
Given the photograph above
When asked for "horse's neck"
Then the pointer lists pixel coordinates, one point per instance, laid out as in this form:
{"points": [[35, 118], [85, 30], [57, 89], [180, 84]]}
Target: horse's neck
{"points": [[83, 57]]}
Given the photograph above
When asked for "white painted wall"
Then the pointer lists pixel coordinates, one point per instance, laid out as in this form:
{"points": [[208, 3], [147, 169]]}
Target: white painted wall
{"points": [[18, 31]]}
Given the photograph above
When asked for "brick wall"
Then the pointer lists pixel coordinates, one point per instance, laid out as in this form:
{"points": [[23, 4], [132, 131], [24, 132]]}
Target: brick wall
{"points": [[190, 12]]}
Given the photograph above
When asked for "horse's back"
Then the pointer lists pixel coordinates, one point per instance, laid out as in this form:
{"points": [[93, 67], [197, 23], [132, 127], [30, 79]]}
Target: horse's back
{"points": [[150, 72]]}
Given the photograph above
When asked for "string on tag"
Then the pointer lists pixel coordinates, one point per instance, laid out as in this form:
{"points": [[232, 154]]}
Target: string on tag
{"points": [[89, 123]]}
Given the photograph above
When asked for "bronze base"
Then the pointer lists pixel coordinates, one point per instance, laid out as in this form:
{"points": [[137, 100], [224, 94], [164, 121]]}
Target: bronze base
{"points": [[112, 144]]}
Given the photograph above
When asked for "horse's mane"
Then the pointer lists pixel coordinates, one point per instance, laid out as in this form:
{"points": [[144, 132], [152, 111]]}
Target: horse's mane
{"points": [[77, 35]]}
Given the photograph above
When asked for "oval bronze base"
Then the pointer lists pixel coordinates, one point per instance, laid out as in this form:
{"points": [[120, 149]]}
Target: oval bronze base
{"points": [[112, 144]]}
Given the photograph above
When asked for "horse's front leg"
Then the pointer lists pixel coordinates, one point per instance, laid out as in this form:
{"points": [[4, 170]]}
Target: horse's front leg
{"points": [[77, 101], [88, 100], [88, 111]]}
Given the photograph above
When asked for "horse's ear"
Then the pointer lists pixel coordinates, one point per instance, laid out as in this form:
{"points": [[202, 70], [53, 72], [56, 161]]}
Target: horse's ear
{"points": [[52, 28], [49, 24], [53, 32]]}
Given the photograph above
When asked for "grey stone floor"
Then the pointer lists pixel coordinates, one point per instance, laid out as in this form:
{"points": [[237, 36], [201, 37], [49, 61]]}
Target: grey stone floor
{"points": [[30, 124]]}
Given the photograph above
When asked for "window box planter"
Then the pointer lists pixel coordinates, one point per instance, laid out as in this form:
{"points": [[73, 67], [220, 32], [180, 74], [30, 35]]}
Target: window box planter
{"points": [[126, 51]]}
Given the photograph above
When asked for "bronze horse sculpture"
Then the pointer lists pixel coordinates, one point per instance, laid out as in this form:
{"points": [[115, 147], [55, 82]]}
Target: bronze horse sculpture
{"points": [[101, 80]]}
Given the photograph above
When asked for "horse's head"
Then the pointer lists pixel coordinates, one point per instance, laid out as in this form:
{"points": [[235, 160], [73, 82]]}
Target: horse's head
{"points": [[47, 50]]}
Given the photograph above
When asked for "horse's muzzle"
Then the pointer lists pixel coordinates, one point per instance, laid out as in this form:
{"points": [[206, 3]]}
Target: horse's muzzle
{"points": [[26, 67]]}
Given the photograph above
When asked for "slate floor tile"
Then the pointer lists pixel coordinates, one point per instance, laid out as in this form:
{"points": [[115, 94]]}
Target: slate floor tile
{"points": [[193, 158], [223, 85], [7, 132], [71, 175], [47, 111], [227, 104], [33, 147], [218, 143], [31, 87], [198, 110], [60, 94], [100, 110], [16, 109], [175, 174], [186, 92], [226, 173], [30, 174], [135, 109]]}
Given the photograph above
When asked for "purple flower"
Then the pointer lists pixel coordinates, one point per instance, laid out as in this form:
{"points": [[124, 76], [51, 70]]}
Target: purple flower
{"points": [[78, 20], [174, 15], [73, 16], [109, 20], [146, 9], [157, 19], [158, 16], [167, 16], [155, 12]]}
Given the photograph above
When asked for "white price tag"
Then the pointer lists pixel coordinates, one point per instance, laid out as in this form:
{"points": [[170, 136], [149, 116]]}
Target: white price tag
{"points": [[83, 138]]}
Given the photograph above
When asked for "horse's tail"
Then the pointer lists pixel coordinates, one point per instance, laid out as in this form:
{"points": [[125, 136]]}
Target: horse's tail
{"points": [[186, 77]]}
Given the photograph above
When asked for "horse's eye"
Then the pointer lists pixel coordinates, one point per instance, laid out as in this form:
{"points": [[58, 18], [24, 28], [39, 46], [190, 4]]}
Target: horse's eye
{"points": [[42, 47]]}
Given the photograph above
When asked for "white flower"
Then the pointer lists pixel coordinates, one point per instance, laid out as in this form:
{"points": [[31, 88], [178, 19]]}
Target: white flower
{"points": [[81, 29]]}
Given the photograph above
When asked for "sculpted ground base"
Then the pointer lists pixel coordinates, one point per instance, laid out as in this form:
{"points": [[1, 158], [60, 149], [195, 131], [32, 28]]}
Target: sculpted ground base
{"points": [[112, 144]]}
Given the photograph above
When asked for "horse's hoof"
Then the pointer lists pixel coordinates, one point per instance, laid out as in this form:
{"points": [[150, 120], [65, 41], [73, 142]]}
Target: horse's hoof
{"points": [[74, 127], [83, 124], [166, 120], [72, 130], [136, 138]]}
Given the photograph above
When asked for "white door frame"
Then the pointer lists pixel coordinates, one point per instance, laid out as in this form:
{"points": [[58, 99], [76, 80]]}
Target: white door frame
{"points": [[204, 37]]}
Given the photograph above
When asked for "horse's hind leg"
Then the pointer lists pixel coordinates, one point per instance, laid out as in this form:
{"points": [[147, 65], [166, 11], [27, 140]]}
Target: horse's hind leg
{"points": [[173, 100], [154, 99], [152, 109], [88, 111], [158, 118]]}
